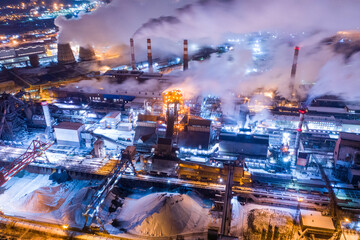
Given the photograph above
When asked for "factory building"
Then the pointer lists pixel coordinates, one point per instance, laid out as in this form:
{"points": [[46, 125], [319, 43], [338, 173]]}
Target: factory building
{"points": [[243, 144], [196, 135], [68, 133], [146, 131], [111, 120], [313, 222], [23, 53], [347, 157]]}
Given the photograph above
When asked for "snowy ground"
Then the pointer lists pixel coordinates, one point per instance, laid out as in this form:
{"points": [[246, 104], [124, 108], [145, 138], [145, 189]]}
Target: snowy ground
{"points": [[138, 212], [35, 197]]}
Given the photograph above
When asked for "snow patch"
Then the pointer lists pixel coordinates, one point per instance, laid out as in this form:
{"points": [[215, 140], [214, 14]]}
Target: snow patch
{"points": [[163, 214]]}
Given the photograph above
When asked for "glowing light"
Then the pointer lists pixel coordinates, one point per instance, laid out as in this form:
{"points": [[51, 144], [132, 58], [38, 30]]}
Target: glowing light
{"points": [[300, 199], [65, 226]]}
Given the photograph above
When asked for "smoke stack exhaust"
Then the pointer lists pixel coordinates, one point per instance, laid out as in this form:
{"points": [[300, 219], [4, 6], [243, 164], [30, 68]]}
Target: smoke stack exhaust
{"points": [[132, 51], [293, 73], [186, 56], [48, 130], [149, 53], [86, 53], [65, 54], [298, 133]]}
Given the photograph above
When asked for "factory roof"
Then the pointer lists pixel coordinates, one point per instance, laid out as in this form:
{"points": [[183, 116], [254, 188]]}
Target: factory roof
{"points": [[314, 219], [327, 109], [69, 125], [113, 114], [199, 122], [350, 136], [151, 118], [197, 140]]}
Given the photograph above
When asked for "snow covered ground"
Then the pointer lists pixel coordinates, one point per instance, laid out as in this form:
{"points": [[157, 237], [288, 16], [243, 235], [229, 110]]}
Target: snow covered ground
{"points": [[35, 197], [133, 211], [161, 214]]}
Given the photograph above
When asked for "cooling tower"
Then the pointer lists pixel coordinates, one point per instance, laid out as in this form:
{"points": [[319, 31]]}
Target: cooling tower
{"points": [[65, 54], [86, 54]]}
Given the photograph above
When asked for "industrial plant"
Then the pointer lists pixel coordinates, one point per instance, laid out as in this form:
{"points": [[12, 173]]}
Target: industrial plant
{"points": [[196, 143]]}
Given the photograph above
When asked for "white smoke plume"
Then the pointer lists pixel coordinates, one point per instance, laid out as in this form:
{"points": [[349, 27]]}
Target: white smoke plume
{"points": [[340, 79], [109, 87], [305, 22]]}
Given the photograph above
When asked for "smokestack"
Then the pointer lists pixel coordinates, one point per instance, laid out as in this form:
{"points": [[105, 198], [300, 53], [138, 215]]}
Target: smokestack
{"points": [[186, 56], [65, 54], [298, 133], [293, 73], [149, 53], [132, 51], [46, 111], [86, 53]]}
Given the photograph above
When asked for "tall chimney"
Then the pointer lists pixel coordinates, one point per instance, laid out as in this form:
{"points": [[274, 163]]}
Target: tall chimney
{"points": [[149, 53], [46, 111], [132, 51], [186, 56], [65, 54], [86, 53], [302, 112], [293, 73]]}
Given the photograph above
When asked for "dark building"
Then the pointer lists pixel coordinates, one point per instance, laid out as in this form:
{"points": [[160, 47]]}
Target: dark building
{"points": [[196, 135], [245, 144], [347, 157]]}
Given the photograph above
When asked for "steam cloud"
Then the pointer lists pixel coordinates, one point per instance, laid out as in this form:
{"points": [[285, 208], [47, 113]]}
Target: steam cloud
{"points": [[305, 23]]}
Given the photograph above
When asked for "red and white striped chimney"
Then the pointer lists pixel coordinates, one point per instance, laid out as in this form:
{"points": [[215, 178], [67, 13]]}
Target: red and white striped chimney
{"points": [[132, 51], [149, 53], [293, 72], [186, 56], [302, 112]]}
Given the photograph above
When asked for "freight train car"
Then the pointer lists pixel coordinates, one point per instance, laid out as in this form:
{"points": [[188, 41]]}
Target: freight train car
{"points": [[205, 173]]}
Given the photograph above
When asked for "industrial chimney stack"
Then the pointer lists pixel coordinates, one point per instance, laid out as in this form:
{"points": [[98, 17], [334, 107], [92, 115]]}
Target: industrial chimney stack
{"points": [[132, 51], [86, 53], [186, 55], [149, 53], [65, 54], [293, 73], [302, 112], [48, 130]]}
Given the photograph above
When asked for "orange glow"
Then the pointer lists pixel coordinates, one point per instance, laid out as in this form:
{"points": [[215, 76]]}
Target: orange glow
{"points": [[174, 98]]}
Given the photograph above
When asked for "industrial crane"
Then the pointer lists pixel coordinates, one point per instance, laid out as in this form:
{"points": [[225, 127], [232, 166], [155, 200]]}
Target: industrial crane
{"points": [[35, 149], [108, 184]]}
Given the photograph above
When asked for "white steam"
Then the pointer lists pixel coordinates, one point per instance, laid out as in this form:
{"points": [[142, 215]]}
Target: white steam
{"points": [[305, 23]]}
